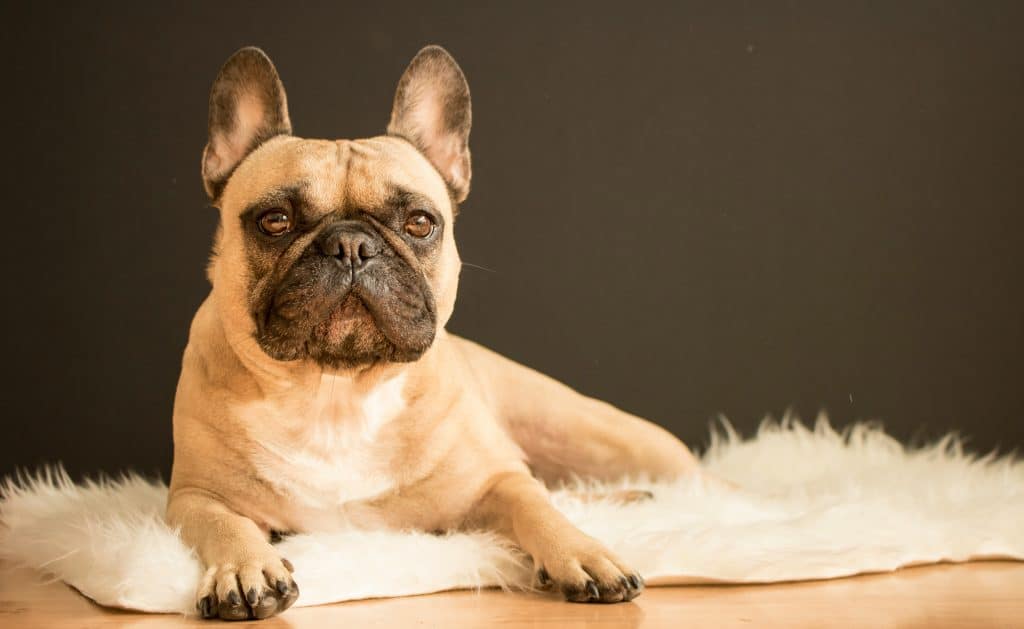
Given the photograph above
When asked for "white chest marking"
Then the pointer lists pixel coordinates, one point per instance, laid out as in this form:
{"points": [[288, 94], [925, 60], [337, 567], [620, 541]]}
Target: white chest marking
{"points": [[338, 455]]}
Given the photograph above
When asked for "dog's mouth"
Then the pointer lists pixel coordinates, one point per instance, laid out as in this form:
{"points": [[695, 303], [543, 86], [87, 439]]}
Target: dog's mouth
{"points": [[343, 320], [382, 313]]}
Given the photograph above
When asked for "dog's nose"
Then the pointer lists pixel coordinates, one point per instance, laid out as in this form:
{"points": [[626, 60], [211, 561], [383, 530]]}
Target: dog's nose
{"points": [[349, 243], [356, 247]]}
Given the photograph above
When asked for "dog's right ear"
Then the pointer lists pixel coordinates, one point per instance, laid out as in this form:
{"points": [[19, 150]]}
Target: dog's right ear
{"points": [[248, 106], [432, 111]]}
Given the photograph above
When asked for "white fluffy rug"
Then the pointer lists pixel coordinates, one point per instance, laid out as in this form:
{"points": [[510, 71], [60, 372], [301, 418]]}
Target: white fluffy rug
{"points": [[815, 504]]}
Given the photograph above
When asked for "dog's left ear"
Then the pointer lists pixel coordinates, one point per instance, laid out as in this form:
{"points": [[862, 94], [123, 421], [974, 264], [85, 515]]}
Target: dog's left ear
{"points": [[248, 106], [432, 111]]}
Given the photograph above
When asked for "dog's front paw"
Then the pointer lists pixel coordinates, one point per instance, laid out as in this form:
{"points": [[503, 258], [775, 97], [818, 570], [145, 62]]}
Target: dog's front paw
{"points": [[253, 587], [584, 571]]}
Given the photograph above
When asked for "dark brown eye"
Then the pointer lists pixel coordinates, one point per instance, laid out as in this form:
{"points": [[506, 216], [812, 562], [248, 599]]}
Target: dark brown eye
{"points": [[419, 224], [274, 223]]}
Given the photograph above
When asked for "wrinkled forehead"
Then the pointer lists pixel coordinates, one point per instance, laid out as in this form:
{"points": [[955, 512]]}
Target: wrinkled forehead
{"points": [[338, 174]]}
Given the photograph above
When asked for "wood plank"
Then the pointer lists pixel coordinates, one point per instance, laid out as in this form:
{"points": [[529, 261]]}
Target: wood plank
{"points": [[984, 594]]}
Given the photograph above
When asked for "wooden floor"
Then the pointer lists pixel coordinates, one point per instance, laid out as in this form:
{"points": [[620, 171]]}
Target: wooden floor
{"points": [[989, 594]]}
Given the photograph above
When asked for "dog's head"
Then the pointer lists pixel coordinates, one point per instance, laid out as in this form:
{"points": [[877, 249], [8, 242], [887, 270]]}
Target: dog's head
{"points": [[339, 252]]}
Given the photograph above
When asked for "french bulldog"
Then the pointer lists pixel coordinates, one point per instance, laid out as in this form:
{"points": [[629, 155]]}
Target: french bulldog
{"points": [[319, 385]]}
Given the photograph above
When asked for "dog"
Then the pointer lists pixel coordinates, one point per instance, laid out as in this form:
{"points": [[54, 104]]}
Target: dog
{"points": [[319, 385]]}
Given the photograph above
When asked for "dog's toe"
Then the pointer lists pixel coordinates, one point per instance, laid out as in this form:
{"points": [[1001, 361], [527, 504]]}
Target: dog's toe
{"points": [[266, 606], [207, 606], [232, 607], [287, 593]]}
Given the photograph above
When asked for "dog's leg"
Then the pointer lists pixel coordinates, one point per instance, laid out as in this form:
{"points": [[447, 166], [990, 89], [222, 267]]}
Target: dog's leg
{"points": [[580, 567], [244, 577], [567, 434]]}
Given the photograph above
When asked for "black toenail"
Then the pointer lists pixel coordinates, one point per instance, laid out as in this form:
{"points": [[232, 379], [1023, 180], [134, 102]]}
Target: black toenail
{"points": [[234, 598], [543, 577], [252, 597], [281, 586], [634, 582], [592, 590]]}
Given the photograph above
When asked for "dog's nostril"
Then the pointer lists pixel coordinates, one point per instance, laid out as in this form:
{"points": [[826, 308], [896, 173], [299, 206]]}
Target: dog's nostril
{"points": [[367, 250], [331, 248]]}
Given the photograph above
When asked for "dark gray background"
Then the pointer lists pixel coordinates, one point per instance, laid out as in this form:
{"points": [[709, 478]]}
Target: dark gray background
{"points": [[687, 209]]}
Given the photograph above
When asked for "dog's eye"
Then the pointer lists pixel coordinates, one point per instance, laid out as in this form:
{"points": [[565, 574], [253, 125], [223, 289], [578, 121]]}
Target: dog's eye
{"points": [[419, 224], [274, 223]]}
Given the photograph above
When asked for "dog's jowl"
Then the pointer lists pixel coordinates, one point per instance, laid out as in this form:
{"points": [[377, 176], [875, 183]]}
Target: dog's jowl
{"points": [[319, 385]]}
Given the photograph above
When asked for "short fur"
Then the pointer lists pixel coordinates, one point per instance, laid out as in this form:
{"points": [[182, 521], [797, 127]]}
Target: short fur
{"points": [[319, 385]]}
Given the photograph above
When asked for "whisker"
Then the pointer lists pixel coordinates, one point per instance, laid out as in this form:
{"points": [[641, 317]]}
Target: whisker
{"points": [[477, 266]]}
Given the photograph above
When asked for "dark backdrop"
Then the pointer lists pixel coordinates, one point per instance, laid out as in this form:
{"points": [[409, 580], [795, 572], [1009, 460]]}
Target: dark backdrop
{"points": [[686, 209]]}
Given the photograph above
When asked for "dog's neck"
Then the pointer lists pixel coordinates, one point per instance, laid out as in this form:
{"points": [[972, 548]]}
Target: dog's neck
{"points": [[304, 377]]}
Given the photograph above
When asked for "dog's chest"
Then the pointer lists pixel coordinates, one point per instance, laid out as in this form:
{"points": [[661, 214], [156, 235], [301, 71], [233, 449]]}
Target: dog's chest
{"points": [[339, 453]]}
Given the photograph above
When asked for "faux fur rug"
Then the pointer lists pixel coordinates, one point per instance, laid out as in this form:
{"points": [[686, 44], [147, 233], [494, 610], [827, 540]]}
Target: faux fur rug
{"points": [[815, 504]]}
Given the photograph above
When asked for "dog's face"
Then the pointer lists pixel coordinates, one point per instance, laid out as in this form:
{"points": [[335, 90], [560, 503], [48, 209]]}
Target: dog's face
{"points": [[339, 252]]}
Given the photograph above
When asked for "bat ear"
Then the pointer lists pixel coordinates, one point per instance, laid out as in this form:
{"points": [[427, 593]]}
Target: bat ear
{"points": [[432, 110], [248, 106]]}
